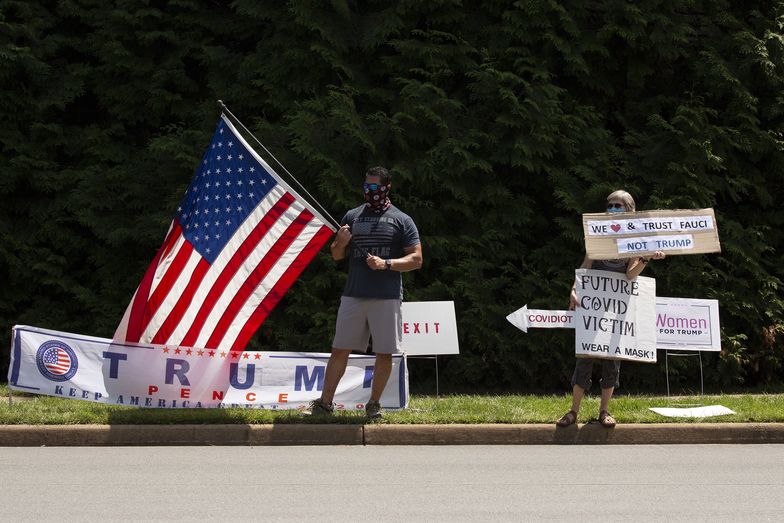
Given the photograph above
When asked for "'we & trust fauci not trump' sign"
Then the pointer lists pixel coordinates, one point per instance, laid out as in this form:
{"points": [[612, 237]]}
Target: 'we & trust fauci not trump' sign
{"points": [[629, 234]]}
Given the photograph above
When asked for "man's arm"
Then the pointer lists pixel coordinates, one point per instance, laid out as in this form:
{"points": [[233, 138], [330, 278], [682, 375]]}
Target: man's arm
{"points": [[410, 261], [339, 246]]}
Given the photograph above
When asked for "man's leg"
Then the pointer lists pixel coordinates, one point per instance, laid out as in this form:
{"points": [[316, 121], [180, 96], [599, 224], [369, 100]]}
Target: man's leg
{"points": [[381, 372], [386, 325], [336, 367]]}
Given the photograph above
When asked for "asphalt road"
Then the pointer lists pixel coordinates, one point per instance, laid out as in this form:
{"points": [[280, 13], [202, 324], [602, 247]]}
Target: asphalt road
{"points": [[446, 483]]}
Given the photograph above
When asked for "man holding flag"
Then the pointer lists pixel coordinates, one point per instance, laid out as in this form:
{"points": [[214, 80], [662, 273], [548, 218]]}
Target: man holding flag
{"points": [[381, 242]]}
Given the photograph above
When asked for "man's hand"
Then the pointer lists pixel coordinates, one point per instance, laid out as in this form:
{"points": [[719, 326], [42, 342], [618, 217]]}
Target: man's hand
{"points": [[339, 245], [343, 236], [375, 263]]}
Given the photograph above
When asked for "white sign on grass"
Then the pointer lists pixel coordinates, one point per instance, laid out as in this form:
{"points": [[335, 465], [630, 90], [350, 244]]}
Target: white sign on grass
{"points": [[429, 328], [616, 317], [694, 412], [687, 324]]}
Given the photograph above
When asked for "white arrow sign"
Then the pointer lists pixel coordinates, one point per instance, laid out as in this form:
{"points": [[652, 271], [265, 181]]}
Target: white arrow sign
{"points": [[681, 323], [525, 318]]}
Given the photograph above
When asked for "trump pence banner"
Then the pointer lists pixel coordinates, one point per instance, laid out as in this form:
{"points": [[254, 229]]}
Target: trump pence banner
{"points": [[611, 236], [616, 316], [163, 376]]}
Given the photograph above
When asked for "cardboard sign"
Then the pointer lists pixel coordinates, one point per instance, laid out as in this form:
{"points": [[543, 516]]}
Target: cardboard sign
{"points": [[687, 324], [610, 236], [616, 316], [429, 328]]}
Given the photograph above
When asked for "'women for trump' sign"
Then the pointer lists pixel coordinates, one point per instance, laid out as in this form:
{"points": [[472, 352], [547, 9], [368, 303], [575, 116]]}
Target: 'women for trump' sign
{"points": [[616, 316]]}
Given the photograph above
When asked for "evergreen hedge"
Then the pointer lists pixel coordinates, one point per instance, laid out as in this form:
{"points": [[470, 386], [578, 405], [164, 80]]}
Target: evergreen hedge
{"points": [[503, 122]]}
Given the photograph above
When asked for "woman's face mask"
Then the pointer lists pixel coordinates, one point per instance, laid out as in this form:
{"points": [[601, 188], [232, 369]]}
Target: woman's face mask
{"points": [[616, 207]]}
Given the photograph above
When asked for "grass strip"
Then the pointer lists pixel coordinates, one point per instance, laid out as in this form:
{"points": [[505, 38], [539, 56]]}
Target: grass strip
{"points": [[506, 409]]}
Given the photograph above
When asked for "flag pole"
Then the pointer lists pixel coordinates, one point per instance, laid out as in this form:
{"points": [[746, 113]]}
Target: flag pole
{"points": [[314, 200]]}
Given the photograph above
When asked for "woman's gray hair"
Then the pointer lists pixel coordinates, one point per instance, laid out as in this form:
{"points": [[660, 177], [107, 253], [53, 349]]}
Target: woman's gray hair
{"points": [[625, 197]]}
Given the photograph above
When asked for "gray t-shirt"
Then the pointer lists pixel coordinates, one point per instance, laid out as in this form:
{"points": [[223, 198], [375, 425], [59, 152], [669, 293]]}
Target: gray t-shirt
{"points": [[385, 235], [610, 265]]}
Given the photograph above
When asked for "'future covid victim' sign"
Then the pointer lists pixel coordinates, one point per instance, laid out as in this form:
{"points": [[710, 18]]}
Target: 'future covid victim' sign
{"points": [[616, 316], [628, 234]]}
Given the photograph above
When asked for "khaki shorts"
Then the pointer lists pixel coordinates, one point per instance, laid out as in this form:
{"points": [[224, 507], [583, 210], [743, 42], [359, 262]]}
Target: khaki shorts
{"points": [[360, 318]]}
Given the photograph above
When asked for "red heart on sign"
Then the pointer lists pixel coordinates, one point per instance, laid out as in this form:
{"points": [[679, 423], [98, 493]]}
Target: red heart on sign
{"points": [[615, 227]]}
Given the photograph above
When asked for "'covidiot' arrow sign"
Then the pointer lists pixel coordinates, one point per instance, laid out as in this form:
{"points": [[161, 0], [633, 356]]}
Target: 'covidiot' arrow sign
{"points": [[525, 318]]}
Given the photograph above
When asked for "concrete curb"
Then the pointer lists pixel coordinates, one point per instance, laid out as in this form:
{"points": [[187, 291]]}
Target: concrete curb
{"points": [[384, 434], [154, 435], [589, 434]]}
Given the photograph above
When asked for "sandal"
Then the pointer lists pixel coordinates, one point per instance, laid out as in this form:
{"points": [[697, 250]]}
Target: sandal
{"points": [[606, 419], [570, 418]]}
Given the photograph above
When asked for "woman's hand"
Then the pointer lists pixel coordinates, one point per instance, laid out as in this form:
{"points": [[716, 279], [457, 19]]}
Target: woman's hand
{"points": [[573, 303]]}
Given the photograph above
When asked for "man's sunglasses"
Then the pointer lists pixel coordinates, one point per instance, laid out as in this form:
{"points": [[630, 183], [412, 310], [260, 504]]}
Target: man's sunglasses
{"points": [[615, 206], [371, 186]]}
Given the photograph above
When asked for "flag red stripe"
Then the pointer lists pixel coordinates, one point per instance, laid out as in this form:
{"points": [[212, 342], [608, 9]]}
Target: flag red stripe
{"points": [[237, 260], [276, 293], [167, 282], [257, 275], [170, 245], [183, 302], [140, 301]]}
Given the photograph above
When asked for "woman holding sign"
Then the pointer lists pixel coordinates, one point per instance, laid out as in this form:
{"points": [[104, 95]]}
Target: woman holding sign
{"points": [[618, 201]]}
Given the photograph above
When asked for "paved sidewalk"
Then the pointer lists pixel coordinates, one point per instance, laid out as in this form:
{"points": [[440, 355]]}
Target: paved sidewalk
{"points": [[387, 434]]}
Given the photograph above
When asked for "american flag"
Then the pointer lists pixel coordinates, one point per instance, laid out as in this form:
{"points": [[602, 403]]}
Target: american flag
{"points": [[56, 360], [239, 239]]}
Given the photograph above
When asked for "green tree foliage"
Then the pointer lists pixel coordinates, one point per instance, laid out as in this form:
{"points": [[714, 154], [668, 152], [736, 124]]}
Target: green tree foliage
{"points": [[503, 123]]}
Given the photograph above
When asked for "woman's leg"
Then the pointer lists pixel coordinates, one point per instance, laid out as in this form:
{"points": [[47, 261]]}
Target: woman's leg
{"points": [[606, 395], [611, 371], [581, 381]]}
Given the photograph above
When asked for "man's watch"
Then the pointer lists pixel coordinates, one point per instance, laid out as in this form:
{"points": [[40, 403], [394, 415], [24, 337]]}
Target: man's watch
{"points": [[387, 265]]}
